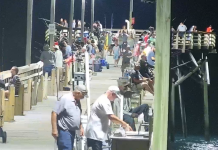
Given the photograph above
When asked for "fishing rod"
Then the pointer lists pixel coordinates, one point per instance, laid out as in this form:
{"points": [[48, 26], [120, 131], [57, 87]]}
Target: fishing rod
{"points": [[184, 20], [105, 20], [112, 21], [174, 19]]}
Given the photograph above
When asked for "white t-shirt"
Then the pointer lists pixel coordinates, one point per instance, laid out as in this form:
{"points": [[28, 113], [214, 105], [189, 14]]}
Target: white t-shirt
{"points": [[59, 59], [99, 123], [182, 28]]}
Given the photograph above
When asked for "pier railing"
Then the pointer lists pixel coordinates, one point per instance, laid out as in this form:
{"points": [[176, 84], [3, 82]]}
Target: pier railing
{"points": [[193, 40], [34, 88]]}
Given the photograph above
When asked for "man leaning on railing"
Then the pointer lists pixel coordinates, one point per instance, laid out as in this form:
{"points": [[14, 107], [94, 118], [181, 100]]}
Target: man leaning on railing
{"points": [[14, 81]]}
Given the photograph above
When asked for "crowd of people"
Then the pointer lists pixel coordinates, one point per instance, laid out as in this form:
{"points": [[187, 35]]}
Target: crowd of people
{"points": [[65, 117], [182, 29]]}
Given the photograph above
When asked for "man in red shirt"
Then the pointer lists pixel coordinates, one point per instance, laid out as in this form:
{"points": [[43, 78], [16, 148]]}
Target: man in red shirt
{"points": [[146, 37], [209, 29]]}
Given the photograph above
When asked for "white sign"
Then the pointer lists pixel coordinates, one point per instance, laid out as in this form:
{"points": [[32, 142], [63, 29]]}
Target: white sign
{"points": [[52, 29]]}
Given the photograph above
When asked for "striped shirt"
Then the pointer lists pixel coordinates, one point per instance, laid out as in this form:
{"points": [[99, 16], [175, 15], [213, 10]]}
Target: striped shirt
{"points": [[15, 81]]}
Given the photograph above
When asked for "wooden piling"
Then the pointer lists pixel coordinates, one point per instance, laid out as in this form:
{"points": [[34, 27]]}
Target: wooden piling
{"points": [[162, 70]]}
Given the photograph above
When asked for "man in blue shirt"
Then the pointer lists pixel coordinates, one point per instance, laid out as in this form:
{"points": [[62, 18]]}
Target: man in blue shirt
{"points": [[151, 57], [68, 49]]}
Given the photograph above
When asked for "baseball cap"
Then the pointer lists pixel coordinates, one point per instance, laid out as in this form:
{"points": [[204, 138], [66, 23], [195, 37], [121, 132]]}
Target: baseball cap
{"points": [[115, 90], [82, 89], [46, 47], [137, 64], [56, 47]]}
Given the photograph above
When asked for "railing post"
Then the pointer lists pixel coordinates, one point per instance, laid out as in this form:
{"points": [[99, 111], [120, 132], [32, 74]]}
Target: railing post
{"points": [[53, 85], [45, 86], [19, 102], [184, 42], [40, 90], [34, 92], [27, 96], [177, 40], [2, 107], [66, 75], [61, 79], [9, 105]]}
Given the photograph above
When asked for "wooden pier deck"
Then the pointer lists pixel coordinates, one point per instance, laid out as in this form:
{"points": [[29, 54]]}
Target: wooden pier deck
{"points": [[33, 131]]}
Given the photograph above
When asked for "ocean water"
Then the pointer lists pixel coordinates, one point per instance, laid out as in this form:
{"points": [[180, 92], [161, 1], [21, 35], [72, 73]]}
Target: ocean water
{"points": [[194, 143]]}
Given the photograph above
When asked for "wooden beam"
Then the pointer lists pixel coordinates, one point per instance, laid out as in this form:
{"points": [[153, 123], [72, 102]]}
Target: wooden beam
{"points": [[162, 70]]}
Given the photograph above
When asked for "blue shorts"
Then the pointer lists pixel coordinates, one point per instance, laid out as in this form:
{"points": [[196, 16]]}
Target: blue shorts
{"points": [[47, 69], [65, 139]]}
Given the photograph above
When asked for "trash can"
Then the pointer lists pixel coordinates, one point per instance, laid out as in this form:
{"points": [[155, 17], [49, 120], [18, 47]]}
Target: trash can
{"points": [[97, 67]]}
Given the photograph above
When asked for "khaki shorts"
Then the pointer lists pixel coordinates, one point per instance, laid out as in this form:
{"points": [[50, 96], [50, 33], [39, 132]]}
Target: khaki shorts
{"points": [[140, 85], [124, 66]]}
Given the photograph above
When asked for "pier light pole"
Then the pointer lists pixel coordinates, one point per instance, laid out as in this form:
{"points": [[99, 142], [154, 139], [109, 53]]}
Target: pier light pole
{"points": [[52, 20], [71, 21], [92, 14], [82, 19], [130, 13], [29, 31]]}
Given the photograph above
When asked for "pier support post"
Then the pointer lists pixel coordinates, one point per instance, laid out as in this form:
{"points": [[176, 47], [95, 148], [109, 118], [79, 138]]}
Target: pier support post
{"points": [[172, 113], [162, 71], [52, 20], [206, 109], [71, 21], [82, 19], [92, 14]]}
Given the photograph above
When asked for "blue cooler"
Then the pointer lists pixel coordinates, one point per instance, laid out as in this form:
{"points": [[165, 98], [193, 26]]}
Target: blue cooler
{"points": [[103, 62]]}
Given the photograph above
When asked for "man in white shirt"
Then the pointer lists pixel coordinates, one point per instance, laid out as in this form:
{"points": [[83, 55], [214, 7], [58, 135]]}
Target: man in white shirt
{"points": [[58, 56], [182, 29], [99, 121]]}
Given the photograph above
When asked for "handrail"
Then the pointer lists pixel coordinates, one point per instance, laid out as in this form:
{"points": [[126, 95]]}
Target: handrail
{"points": [[25, 72]]}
